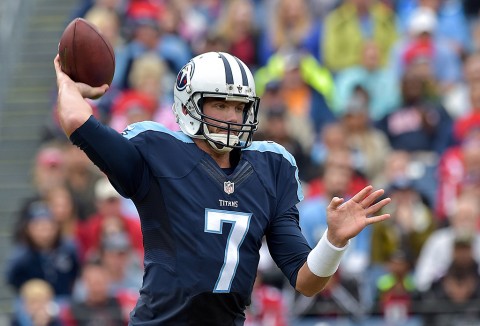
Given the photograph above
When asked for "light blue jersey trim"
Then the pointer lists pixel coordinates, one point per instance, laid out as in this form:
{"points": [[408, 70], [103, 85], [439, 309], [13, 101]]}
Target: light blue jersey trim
{"points": [[137, 128], [269, 146]]}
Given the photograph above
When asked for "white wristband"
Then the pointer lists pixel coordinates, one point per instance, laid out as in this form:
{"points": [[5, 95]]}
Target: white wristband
{"points": [[324, 259]]}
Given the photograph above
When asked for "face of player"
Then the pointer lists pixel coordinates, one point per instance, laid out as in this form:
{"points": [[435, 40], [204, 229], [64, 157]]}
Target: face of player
{"points": [[220, 109]]}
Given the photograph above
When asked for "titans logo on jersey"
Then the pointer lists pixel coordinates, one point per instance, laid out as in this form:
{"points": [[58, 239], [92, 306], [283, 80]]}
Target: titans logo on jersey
{"points": [[203, 228]]}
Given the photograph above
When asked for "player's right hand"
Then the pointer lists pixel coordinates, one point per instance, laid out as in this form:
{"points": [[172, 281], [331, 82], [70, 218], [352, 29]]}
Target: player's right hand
{"points": [[85, 90]]}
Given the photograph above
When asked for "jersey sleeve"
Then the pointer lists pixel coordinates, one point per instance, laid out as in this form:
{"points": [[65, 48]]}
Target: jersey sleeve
{"points": [[278, 171], [286, 244], [288, 188], [113, 154]]}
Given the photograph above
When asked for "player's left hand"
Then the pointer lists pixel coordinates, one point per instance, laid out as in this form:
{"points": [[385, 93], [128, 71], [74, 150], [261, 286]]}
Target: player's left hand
{"points": [[346, 219]]}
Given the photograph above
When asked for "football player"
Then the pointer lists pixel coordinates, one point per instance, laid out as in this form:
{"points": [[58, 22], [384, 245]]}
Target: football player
{"points": [[207, 195]]}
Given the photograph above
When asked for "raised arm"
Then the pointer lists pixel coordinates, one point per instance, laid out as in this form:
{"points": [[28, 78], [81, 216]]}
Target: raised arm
{"points": [[123, 165], [73, 109], [345, 220]]}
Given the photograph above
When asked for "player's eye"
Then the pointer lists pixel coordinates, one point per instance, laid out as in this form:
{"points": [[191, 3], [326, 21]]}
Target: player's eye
{"points": [[240, 108]]}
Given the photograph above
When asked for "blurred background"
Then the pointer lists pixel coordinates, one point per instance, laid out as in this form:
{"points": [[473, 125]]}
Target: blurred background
{"points": [[359, 91]]}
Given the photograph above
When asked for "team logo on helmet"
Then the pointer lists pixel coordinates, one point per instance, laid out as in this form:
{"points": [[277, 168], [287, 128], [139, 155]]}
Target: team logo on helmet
{"points": [[185, 75]]}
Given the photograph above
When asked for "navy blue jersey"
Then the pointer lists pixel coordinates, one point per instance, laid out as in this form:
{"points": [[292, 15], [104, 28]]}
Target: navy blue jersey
{"points": [[202, 228]]}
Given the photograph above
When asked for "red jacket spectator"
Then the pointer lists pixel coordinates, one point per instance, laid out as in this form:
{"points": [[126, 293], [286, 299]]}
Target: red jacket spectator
{"points": [[267, 307], [458, 169], [108, 219]]}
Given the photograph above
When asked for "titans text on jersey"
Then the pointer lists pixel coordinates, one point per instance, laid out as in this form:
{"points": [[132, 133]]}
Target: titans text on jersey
{"points": [[227, 203]]}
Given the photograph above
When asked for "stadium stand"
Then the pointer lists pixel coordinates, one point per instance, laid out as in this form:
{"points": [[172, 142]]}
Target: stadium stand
{"points": [[29, 33]]}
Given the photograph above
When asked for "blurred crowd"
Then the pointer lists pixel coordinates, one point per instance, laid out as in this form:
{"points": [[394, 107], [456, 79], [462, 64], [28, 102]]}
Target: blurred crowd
{"points": [[359, 91]]}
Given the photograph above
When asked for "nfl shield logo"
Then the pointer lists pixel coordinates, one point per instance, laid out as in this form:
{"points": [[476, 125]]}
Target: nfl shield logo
{"points": [[229, 187]]}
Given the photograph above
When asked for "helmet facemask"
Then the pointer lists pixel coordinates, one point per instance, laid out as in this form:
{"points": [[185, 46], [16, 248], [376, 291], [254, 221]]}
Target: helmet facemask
{"points": [[238, 135]]}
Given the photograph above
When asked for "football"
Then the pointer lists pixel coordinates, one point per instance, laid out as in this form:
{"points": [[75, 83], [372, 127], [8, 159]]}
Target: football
{"points": [[85, 54]]}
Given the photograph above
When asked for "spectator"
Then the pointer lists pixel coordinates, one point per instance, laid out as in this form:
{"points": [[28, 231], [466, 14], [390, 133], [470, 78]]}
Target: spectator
{"points": [[147, 36], [189, 20], [108, 218], [144, 38], [349, 26], [87, 5], [81, 176], [396, 292], [62, 206], [454, 298], [306, 87], [149, 77], [458, 168], [370, 144], [418, 125], [49, 167], [123, 265], [149, 74], [458, 101], [44, 255], [36, 305], [131, 107], [437, 252], [470, 120], [276, 128], [420, 45], [334, 138], [268, 306], [108, 23], [452, 23], [48, 171], [236, 26], [291, 28], [98, 306], [211, 42], [377, 80], [397, 166], [409, 228]]}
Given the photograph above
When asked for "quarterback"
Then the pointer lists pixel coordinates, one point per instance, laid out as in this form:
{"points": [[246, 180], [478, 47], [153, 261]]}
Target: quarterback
{"points": [[208, 194]]}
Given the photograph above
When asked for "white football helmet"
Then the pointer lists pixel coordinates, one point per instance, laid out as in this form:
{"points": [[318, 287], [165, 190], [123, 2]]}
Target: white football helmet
{"points": [[215, 74]]}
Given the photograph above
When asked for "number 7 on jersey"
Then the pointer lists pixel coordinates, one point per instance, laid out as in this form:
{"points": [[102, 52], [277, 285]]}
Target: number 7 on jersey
{"points": [[214, 220]]}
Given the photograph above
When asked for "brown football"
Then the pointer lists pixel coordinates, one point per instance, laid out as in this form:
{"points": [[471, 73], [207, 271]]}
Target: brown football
{"points": [[85, 54]]}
